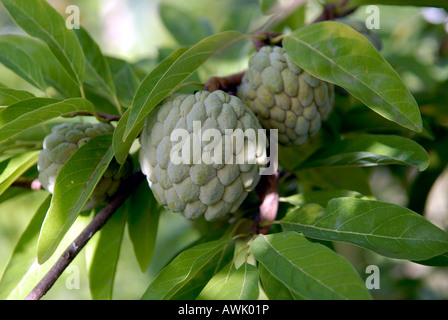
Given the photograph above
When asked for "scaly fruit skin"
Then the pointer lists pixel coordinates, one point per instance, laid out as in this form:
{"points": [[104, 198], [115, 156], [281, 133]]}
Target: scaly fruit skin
{"points": [[60, 145], [284, 96], [212, 189]]}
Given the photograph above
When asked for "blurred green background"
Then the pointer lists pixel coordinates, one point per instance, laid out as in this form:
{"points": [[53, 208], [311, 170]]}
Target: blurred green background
{"points": [[415, 42]]}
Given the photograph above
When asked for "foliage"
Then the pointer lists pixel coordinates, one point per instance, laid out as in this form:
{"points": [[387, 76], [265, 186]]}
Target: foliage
{"points": [[390, 113]]}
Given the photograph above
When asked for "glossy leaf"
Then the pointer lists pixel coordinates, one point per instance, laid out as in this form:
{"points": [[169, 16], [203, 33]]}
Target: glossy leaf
{"points": [[11, 96], [121, 144], [29, 113], [103, 264], [338, 54], [24, 271], [53, 72], [74, 184], [125, 80], [320, 197], [24, 254], [13, 168], [387, 229], [187, 29], [143, 220], [22, 63], [368, 150], [189, 272], [232, 284], [308, 269], [97, 69], [273, 288], [39, 19], [164, 79]]}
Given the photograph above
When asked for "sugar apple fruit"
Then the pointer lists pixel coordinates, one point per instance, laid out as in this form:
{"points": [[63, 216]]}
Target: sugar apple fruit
{"points": [[218, 181], [284, 96], [60, 145]]}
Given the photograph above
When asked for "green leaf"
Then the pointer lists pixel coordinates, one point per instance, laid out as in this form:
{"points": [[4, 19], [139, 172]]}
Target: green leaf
{"points": [[143, 219], [320, 197], [103, 265], [53, 72], [74, 184], [187, 29], [11, 96], [14, 167], [437, 261], [368, 150], [23, 64], [308, 269], [39, 19], [164, 79], [387, 229], [420, 3], [121, 144], [125, 80], [24, 254], [97, 69], [266, 6], [273, 288], [232, 284], [29, 113], [338, 54], [189, 272]]}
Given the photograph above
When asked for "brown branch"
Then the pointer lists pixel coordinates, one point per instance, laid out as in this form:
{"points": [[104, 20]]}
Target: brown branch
{"points": [[227, 84], [96, 224], [334, 11], [99, 115], [267, 191], [33, 184], [264, 38]]}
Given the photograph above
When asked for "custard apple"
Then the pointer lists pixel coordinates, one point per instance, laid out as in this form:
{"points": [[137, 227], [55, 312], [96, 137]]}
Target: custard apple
{"points": [[360, 26], [284, 96], [60, 145], [214, 178]]}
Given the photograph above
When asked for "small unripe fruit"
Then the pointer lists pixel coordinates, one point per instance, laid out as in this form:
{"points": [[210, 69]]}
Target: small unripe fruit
{"points": [[285, 97], [62, 143]]}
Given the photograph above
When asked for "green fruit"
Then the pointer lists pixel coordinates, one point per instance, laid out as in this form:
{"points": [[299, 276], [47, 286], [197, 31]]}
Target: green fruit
{"points": [[201, 187], [60, 145], [284, 96]]}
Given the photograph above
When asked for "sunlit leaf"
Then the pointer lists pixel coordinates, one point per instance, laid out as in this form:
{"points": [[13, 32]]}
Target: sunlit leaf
{"points": [[385, 228], [39, 19], [309, 270], [338, 54], [74, 184], [189, 272]]}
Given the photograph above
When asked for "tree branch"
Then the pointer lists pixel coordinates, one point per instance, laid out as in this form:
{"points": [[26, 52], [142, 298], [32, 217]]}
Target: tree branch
{"points": [[267, 191], [96, 224], [99, 115], [265, 38], [33, 184], [227, 84]]}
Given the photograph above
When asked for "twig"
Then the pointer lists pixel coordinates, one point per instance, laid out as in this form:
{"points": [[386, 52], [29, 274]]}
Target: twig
{"points": [[334, 11], [227, 84], [33, 184], [267, 191], [264, 38], [99, 115], [96, 224]]}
